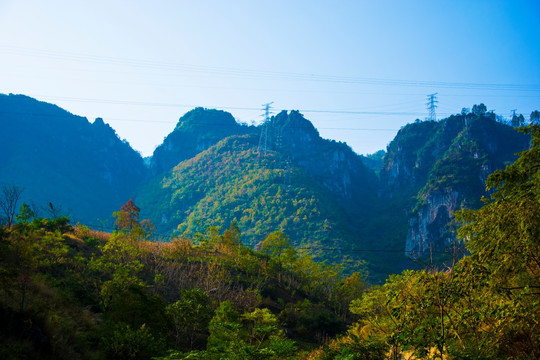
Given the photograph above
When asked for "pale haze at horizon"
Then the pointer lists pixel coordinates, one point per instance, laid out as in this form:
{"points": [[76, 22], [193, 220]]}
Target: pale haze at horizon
{"points": [[358, 70]]}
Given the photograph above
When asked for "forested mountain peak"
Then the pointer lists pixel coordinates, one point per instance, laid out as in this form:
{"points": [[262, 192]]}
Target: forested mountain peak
{"points": [[294, 120], [195, 131], [333, 164], [435, 168], [60, 158], [205, 119], [419, 146], [280, 175]]}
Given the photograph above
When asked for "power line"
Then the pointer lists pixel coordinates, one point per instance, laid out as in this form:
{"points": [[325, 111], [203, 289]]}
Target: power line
{"points": [[251, 73], [195, 122], [307, 110]]}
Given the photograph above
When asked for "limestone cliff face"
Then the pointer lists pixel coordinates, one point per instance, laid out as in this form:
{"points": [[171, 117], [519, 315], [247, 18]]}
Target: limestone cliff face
{"points": [[428, 226], [435, 168], [413, 153], [335, 165]]}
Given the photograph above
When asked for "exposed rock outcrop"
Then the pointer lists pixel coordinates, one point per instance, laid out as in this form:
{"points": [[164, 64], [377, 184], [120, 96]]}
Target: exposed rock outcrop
{"points": [[428, 225], [439, 167], [335, 165]]}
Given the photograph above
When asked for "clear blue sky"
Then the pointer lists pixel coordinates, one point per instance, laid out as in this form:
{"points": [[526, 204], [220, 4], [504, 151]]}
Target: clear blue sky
{"points": [[358, 69]]}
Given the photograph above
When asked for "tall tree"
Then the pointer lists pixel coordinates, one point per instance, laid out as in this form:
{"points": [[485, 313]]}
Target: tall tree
{"points": [[191, 316], [503, 238], [9, 199], [127, 221], [535, 117], [479, 110], [518, 120]]}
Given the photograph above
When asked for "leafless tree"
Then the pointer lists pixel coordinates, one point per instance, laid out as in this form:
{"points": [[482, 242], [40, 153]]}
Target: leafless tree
{"points": [[9, 199]]}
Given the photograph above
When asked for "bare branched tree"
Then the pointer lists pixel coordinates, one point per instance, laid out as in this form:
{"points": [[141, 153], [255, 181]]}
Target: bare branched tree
{"points": [[9, 198]]}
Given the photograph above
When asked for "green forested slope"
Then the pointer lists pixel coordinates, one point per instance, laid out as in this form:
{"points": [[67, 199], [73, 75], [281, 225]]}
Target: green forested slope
{"points": [[284, 177], [195, 132], [435, 168], [81, 168], [484, 306], [232, 182], [212, 171], [74, 293], [70, 293]]}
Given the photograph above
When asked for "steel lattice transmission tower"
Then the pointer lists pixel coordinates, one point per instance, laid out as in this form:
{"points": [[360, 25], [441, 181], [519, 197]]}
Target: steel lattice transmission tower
{"points": [[263, 139], [431, 106]]}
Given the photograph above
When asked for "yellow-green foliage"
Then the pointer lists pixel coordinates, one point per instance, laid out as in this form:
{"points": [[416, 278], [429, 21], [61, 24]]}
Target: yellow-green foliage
{"points": [[66, 293], [485, 307]]}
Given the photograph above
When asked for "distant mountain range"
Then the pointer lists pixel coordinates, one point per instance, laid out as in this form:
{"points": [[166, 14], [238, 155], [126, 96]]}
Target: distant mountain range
{"points": [[281, 175]]}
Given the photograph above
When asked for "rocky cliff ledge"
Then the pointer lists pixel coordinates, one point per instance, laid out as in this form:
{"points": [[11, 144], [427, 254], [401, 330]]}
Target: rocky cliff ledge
{"points": [[428, 225]]}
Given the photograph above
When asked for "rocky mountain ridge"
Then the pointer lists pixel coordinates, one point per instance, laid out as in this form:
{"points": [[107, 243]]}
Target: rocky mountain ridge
{"points": [[281, 175], [445, 172], [83, 169]]}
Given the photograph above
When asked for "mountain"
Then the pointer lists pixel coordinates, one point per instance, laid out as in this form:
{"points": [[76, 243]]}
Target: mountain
{"points": [[434, 168], [211, 171], [374, 161], [282, 177], [196, 131], [81, 168], [76, 293]]}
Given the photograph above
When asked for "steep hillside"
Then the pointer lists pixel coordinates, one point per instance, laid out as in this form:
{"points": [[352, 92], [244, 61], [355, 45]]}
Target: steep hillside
{"points": [[435, 168], [282, 177], [333, 164], [196, 131], [59, 158], [75, 293], [232, 182]]}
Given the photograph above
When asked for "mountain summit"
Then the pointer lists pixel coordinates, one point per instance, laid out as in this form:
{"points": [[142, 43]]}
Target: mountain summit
{"points": [[81, 168], [212, 172], [196, 131]]}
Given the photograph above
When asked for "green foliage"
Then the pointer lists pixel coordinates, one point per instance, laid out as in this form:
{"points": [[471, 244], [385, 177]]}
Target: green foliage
{"points": [[231, 183], [253, 335], [25, 213], [127, 343], [191, 316], [311, 322], [224, 326], [119, 267], [276, 245], [509, 222], [351, 288], [195, 131], [486, 306], [114, 297], [502, 237], [352, 348], [479, 110], [135, 307]]}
